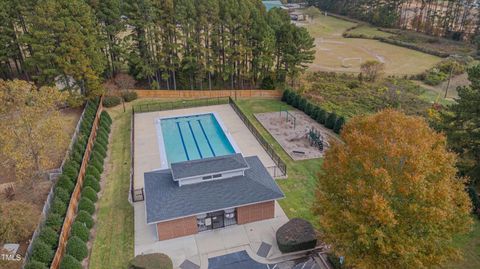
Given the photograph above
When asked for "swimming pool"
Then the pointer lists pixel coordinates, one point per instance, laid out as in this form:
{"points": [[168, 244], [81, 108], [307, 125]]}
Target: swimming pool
{"points": [[193, 137]]}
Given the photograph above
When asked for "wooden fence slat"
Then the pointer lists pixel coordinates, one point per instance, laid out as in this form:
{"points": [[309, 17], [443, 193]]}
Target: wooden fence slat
{"points": [[207, 93]]}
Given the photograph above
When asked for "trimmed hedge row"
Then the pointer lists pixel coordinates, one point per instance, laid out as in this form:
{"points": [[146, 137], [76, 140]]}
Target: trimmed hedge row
{"points": [[44, 246], [317, 113], [80, 234]]}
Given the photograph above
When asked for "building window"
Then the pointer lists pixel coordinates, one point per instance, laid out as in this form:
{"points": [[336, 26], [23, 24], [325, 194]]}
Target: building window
{"points": [[207, 177], [217, 176]]}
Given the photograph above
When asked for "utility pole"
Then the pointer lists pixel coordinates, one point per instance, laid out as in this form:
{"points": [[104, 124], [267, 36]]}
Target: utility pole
{"points": [[449, 79]]}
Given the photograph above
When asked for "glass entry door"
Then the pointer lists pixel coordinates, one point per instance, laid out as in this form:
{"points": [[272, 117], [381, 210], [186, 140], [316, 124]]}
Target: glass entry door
{"points": [[217, 222]]}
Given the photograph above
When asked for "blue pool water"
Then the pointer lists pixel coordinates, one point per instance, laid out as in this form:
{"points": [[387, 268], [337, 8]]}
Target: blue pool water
{"points": [[194, 137]]}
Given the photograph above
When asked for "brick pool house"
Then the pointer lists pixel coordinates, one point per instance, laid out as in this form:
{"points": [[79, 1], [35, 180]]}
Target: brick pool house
{"points": [[209, 193]]}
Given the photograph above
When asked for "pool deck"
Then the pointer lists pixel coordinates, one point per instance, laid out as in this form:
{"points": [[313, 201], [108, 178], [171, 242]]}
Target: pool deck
{"points": [[147, 154]]}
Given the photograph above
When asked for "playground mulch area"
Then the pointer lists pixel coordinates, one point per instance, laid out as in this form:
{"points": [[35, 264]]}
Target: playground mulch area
{"points": [[292, 134]]}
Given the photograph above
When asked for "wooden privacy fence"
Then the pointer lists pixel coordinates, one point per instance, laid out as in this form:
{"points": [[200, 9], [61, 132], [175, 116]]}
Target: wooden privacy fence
{"points": [[208, 93], [72, 207]]}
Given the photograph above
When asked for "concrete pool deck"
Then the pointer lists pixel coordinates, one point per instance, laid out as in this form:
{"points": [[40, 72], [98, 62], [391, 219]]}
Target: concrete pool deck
{"points": [[147, 154], [200, 247]]}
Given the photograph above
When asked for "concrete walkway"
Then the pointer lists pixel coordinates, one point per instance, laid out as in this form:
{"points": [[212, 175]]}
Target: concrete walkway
{"points": [[202, 246], [147, 153]]}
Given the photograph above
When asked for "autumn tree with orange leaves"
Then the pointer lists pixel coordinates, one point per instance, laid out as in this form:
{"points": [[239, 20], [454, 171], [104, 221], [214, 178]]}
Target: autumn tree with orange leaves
{"points": [[389, 196]]}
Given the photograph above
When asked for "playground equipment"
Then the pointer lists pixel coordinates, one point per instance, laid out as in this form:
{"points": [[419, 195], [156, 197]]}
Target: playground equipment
{"points": [[289, 117], [315, 138]]}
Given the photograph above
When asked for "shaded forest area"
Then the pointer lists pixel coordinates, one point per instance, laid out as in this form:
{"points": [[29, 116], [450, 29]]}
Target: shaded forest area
{"points": [[181, 44], [455, 19]]}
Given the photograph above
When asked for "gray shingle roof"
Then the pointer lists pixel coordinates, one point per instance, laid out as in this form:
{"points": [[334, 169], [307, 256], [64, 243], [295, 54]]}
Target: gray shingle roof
{"points": [[208, 166], [165, 200]]}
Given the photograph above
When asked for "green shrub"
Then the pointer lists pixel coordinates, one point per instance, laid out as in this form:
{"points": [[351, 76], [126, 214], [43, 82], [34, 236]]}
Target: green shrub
{"points": [[331, 120], [58, 207], [106, 116], [71, 164], [339, 125], [295, 235], [92, 172], [77, 248], [129, 96], [296, 100], [267, 83], [66, 183], [49, 236], [70, 171], [309, 109], [32, 264], [92, 182], [62, 194], [97, 163], [321, 116], [89, 193], [100, 149], [42, 252], [85, 218], [54, 221], [81, 231], [151, 261], [302, 104], [285, 96], [69, 262], [435, 77], [111, 101], [87, 205]]}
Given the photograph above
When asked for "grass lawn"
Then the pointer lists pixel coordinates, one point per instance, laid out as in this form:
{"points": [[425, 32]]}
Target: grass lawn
{"points": [[113, 245], [114, 241], [339, 54], [299, 187], [470, 246]]}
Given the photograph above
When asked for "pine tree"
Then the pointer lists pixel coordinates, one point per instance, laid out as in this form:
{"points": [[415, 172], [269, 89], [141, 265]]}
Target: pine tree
{"points": [[61, 49]]}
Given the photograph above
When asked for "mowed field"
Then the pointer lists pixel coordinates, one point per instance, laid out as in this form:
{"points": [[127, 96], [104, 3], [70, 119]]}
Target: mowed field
{"points": [[339, 54]]}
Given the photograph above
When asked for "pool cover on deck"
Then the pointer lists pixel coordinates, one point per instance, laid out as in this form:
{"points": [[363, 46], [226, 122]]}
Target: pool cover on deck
{"points": [[241, 260]]}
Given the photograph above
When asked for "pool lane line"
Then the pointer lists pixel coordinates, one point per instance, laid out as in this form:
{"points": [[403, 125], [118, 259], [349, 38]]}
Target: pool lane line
{"points": [[195, 139], [206, 137], [183, 141]]}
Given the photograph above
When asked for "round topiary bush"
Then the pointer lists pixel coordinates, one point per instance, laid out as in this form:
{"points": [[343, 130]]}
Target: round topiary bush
{"points": [[77, 248], [58, 206], [92, 171], [42, 252], [70, 171], [128, 96], [296, 235], [151, 261], [54, 221], [62, 194], [81, 231], [85, 218], [87, 205], [92, 182], [106, 116], [65, 183], [97, 163], [69, 262], [49, 236], [111, 101], [89, 193], [32, 264]]}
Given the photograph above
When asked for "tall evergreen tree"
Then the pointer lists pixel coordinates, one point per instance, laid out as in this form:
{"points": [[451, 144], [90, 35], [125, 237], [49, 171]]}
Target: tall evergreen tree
{"points": [[65, 43]]}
